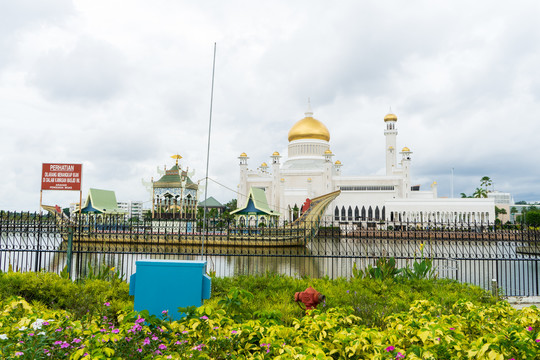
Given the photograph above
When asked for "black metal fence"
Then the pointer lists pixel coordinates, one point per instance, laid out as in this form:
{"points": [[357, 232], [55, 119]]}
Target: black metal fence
{"points": [[465, 252]]}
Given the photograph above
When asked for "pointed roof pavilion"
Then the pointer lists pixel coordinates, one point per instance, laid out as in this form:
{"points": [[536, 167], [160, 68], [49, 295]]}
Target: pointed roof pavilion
{"points": [[101, 201], [256, 204]]}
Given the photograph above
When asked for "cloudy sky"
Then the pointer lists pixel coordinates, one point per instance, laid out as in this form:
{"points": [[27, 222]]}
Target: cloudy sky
{"points": [[119, 86]]}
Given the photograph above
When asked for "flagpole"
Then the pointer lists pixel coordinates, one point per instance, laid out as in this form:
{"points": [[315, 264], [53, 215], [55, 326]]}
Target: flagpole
{"points": [[208, 156]]}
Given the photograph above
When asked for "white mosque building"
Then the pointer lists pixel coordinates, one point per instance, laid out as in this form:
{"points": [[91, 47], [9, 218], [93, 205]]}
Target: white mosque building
{"points": [[309, 171]]}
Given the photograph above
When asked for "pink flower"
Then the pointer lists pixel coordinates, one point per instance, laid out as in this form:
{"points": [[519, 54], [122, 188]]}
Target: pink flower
{"points": [[139, 320], [390, 348], [537, 340], [185, 332], [139, 350], [116, 331], [19, 353], [530, 328], [400, 356], [76, 340], [234, 332], [204, 317], [64, 345], [107, 304], [162, 347], [164, 312], [146, 341]]}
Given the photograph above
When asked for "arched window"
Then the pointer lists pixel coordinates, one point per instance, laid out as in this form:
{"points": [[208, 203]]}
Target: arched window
{"points": [[383, 216], [356, 214], [363, 213], [343, 215], [370, 213], [242, 221], [377, 213], [336, 214], [349, 214]]}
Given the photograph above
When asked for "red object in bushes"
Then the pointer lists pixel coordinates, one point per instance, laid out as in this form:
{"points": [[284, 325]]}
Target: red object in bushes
{"points": [[310, 298]]}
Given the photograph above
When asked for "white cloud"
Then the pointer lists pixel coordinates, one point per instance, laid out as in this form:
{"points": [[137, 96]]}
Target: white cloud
{"points": [[120, 86]]}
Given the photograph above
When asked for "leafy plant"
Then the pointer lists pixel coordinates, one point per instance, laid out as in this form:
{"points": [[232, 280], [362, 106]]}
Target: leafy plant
{"points": [[422, 269], [385, 268]]}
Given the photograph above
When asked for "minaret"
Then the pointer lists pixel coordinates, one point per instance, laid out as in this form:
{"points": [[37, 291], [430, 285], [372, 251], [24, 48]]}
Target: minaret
{"points": [[406, 167], [242, 186], [276, 188], [391, 133]]}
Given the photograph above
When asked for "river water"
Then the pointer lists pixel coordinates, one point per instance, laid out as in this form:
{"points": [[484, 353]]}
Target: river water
{"points": [[475, 262]]}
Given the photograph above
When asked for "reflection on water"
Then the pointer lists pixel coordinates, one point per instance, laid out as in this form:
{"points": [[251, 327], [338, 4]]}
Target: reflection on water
{"points": [[476, 262]]}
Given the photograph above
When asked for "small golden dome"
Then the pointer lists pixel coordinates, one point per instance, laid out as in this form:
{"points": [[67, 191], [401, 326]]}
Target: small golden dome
{"points": [[391, 148], [338, 162], [264, 165], [243, 154], [328, 151], [309, 179], [406, 149], [275, 153], [309, 128], [390, 117], [282, 179]]}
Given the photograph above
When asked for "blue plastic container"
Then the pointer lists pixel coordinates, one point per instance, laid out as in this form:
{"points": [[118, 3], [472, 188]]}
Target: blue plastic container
{"points": [[160, 285]]}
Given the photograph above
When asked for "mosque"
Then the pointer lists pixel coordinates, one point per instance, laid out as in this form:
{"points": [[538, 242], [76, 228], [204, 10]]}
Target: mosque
{"points": [[309, 171]]}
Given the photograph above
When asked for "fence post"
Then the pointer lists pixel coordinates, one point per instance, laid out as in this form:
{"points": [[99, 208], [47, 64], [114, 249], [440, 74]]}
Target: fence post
{"points": [[69, 250], [494, 288]]}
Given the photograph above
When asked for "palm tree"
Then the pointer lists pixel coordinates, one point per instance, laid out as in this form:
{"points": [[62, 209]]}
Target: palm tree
{"points": [[480, 193], [485, 182]]}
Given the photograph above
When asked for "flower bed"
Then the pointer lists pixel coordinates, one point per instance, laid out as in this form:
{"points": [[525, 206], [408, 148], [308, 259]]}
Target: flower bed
{"points": [[426, 331]]}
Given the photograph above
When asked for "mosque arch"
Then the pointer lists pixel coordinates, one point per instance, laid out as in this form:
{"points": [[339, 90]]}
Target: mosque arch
{"points": [[336, 214], [363, 213], [370, 213], [343, 214], [349, 214], [377, 213], [356, 214], [383, 213]]}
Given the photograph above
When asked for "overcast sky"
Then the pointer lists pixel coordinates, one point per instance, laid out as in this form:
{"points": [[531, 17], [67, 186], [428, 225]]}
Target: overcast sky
{"points": [[120, 86]]}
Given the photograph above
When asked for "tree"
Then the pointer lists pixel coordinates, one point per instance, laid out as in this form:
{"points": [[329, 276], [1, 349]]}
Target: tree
{"points": [[480, 193], [499, 211], [485, 182], [463, 195]]}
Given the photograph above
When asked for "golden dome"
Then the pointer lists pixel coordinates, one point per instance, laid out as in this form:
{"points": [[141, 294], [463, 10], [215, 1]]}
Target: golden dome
{"points": [[405, 149], [275, 153], [390, 117], [309, 128], [264, 165], [243, 154], [328, 151], [338, 162]]}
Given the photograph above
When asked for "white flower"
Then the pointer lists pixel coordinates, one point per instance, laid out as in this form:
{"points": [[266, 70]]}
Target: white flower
{"points": [[3, 337], [37, 324], [22, 328], [41, 333]]}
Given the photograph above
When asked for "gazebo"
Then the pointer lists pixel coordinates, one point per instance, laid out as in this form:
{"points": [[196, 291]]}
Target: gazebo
{"points": [[256, 211]]}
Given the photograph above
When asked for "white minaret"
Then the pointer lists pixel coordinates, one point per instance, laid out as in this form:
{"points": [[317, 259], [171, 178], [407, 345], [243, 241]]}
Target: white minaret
{"points": [[276, 188], [406, 168], [242, 186], [390, 133]]}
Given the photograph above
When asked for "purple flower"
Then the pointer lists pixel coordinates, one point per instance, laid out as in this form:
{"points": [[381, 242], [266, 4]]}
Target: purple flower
{"points": [[19, 353], [116, 331], [76, 340], [451, 329], [234, 332], [390, 348], [162, 347], [185, 332], [164, 312], [107, 304], [146, 341], [537, 340], [31, 334], [45, 323], [139, 320], [139, 350], [400, 356], [57, 342], [530, 328], [64, 345], [204, 317]]}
